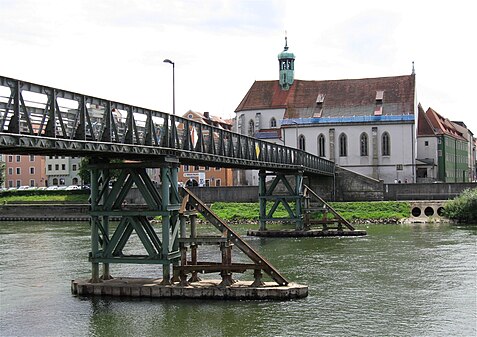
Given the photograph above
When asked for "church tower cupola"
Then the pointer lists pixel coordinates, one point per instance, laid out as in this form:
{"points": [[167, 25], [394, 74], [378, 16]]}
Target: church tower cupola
{"points": [[286, 61]]}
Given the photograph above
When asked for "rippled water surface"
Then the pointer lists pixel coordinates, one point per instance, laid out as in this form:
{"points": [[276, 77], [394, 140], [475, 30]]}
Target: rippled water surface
{"points": [[412, 280]]}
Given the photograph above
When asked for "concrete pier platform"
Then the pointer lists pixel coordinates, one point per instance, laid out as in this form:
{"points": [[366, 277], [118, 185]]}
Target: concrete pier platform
{"points": [[205, 289], [304, 233]]}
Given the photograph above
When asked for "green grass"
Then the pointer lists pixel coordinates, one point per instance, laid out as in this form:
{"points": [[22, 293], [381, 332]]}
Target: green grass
{"points": [[44, 198], [375, 210], [351, 211], [382, 210]]}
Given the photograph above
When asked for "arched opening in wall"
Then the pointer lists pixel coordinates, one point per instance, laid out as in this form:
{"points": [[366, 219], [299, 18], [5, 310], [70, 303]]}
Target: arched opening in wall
{"points": [[440, 211], [429, 211], [416, 211]]}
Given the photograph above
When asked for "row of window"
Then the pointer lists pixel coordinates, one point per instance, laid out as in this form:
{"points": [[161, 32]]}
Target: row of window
{"points": [[343, 144], [186, 168], [74, 167], [32, 158], [18, 158], [19, 171]]}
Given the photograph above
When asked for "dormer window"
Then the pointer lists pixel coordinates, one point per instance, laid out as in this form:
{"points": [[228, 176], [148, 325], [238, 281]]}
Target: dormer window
{"points": [[378, 110], [319, 106]]}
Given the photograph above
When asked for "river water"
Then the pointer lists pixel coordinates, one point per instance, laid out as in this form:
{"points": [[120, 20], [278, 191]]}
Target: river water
{"points": [[400, 280]]}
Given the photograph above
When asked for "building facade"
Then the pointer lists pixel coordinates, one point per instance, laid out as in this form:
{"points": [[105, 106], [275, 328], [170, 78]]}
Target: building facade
{"points": [[24, 170], [63, 171], [195, 175], [444, 153], [365, 125]]}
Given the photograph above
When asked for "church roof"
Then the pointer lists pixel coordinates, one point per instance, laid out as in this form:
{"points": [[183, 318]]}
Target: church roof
{"points": [[335, 98]]}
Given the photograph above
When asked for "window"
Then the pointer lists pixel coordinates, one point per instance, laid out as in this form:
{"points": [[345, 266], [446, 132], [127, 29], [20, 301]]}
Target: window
{"points": [[32, 183], [217, 182], [251, 128], [343, 145], [18, 159], [386, 148], [363, 144], [207, 168], [207, 182], [49, 167], [73, 167], [10, 183], [426, 143], [273, 123], [32, 170], [32, 158], [10, 171], [321, 145], [57, 167], [301, 142], [55, 181], [185, 168], [196, 168], [63, 167], [19, 183], [19, 170], [10, 159]]}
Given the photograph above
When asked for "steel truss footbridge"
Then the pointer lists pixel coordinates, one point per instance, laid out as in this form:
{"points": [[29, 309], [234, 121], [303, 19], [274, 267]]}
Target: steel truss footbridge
{"points": [[41, 120]]}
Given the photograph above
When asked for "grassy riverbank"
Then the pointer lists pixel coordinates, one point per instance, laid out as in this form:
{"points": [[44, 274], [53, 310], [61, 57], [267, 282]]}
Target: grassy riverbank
{"points": [[379, 211]]}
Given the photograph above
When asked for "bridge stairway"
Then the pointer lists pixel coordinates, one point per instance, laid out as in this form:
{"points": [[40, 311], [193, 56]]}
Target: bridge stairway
{"points": [[317, 212], [227, 239]]}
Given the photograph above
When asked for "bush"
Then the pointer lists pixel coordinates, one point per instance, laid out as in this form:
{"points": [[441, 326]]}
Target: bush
{"points": [[463, 208]]}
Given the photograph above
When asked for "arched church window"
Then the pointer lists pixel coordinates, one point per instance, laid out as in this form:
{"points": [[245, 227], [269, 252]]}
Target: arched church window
{"points": [[321, 145], [273, 122], [301, 142], [386, 144], [363, 144], [343, 145], [251, 128]]}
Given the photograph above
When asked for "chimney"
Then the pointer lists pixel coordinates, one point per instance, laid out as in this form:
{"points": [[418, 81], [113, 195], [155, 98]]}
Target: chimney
{"points": [[206, 115]]}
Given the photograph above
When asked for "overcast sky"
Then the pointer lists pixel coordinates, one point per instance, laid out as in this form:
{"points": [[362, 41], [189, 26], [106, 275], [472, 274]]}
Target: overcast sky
{"points": [[114, 49]]}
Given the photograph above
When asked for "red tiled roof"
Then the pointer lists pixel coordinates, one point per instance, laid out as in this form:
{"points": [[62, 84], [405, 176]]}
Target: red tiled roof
{"points": [[424, 126], [437, 124], [340, 96]]}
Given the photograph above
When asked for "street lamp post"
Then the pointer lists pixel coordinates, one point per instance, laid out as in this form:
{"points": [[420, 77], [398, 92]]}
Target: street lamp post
{"points": [[173, 86]]}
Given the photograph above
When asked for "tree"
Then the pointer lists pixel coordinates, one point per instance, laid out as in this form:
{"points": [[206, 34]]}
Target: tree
{"points": [[464, 207], [2, 172], [85, 173]]}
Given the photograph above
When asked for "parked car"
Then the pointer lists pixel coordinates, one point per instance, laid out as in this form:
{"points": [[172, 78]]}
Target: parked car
{"points": [[73, 187]]}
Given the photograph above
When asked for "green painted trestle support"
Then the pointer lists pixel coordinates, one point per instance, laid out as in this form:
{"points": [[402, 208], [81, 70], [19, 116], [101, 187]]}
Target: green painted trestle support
{"points": [[275, 189], [108, 201], [167, 243], [305, 207]]}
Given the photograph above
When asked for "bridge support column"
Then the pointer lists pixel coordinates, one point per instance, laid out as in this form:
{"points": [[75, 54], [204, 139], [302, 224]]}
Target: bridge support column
{"points": [[108, 203], [280, 192]]}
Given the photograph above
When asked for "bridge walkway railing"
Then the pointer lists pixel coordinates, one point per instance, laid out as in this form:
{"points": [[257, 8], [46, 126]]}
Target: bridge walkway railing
{"points": [[40, 119]]}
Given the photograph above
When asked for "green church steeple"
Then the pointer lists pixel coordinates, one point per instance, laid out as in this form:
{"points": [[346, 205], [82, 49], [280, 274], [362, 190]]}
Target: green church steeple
{"points": [[286, 61]]}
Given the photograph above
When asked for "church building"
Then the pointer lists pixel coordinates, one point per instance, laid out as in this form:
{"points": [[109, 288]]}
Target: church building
{"points": [[363, 125]]}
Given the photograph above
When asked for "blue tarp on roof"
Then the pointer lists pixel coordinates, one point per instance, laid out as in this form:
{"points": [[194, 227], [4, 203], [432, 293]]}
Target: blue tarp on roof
{"points": [[355, 119]]}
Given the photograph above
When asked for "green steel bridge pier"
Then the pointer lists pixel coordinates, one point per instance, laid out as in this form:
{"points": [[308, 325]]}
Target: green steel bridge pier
{"points": [[41, 120]]}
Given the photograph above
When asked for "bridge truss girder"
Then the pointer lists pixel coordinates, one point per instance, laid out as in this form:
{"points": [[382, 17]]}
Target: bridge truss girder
{"points": [[37, 119]]}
